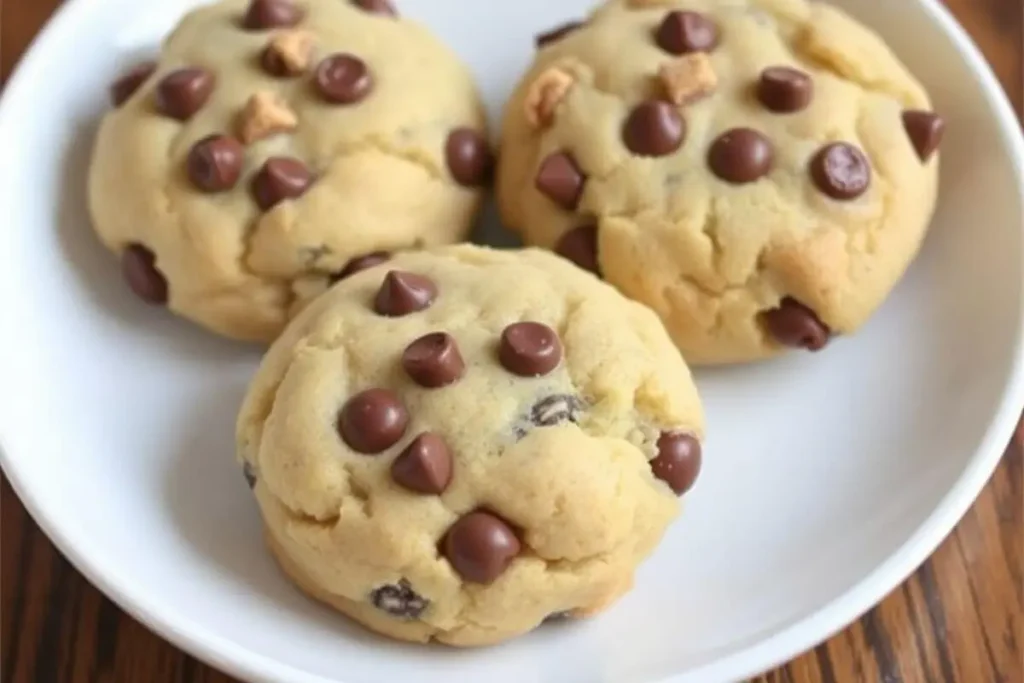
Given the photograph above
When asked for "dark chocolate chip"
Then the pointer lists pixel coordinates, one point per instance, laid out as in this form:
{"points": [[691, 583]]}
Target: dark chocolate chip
{"points": [[215, 163], [579, 245], [841, 171], [555, 410], [480, 547], [530, 349], [557, 33], [280, 178], [925, 130], [404, 293], [469, 157], [399, 600], [124, 87], [377, 7], [678, 461], [683, 32], [741, 155], [433, 361], [343, 79], [249, 472], [361, 263], [373, 421], [138, 266], [425, 466], [183, 92], [784, 90], [797, 326], [654, 129], [265, 14], [561, 180]]}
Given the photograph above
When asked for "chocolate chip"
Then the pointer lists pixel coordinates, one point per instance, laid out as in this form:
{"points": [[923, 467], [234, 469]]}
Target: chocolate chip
{"points": [[678, 461], [480, 547], [741, 155], [183, 92], [433, 361], [404, 293], [343, 79], [841, 171], [556, 617], [530, 349], [797, 326], [280, 178], [925, 130], [274, 63], [561, 180], [555, 410], [264, 14], [215, 163], [654, 129], [361, 263], [249, 472], [124, 87], [469, 157], [399, 600], [373, 421], [557, 33], [684, 32], [784, 90], [579, 245], [138, 266], [425, 466], [377, 7]]}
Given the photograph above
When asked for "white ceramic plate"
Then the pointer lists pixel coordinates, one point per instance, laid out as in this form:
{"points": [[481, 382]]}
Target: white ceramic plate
{"points": [[828, 478]]}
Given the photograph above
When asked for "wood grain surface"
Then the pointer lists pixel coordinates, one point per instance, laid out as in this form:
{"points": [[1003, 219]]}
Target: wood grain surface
{"points": [[959, 619]]}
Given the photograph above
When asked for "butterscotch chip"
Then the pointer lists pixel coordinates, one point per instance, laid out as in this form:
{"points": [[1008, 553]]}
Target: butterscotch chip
{"points": [[289, 53], [688, 78], [264, 115], [546, 93]]}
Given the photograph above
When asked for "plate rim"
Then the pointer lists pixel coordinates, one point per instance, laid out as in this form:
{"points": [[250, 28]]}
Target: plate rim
{"points": [[793, 640]]}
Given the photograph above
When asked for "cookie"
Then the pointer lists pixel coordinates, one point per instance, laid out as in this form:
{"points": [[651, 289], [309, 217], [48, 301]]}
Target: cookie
{"points": [[760, 172], [462, 443], [273, 147]]}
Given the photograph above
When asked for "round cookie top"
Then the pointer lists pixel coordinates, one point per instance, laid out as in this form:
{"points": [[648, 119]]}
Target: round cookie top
{"points": [[274, 142], [472, 425], [760, 172]]}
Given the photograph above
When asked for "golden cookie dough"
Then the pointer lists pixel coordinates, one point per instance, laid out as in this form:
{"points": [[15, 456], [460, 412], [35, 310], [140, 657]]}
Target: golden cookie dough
{"points": [[274, 142], [760, 172], [518, 461]]}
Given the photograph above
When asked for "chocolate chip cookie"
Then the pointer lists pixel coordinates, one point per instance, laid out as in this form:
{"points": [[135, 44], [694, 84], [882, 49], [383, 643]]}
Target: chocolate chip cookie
{"points": [[277, 146], [760, 172], [461, 443]]}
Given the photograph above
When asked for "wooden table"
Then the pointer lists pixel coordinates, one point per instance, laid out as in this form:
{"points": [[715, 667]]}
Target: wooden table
{"points": [[959, 619]]}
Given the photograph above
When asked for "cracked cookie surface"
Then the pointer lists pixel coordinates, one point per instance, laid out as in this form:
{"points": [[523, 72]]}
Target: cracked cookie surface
{"points": [[759, 172], [462, 442], [274, 143]]}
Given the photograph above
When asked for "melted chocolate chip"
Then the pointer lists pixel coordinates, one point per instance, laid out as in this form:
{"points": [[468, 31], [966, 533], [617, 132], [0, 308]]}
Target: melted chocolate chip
{"points": [[784, 90], [480, 547], [343, 79], [579, 245], [683, 32], [925, 130], [425, 466], [399, 600], [741, 155], [530, 349], [404, 293], [373, 421], [557, 33], [555, 410], [281, 178], [434, 361], [183, 92], [654, 129], [795, 325], [377, 7], [215, 163], [561, 180], [841, 171], [124, 87], [265, 14], [678, 461], [361, 263], [138, 266]]}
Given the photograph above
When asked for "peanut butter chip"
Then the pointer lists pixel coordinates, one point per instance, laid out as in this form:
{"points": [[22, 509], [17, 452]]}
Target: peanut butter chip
{"points": [[688, 78], [545, 94], [289, 53], [264, 115]]}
